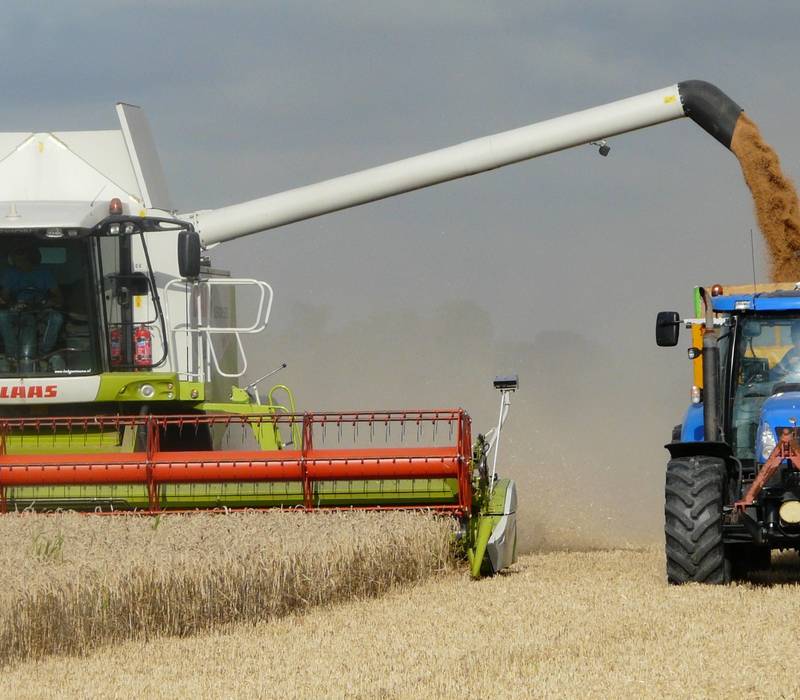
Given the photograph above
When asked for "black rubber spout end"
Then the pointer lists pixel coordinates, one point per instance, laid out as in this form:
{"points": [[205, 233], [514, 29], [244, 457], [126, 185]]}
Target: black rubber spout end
{"points": [[711, 108]]}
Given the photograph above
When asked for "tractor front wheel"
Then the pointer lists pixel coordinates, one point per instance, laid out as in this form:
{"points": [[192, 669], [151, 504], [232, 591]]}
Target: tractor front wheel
{"points": [[693, 521]]}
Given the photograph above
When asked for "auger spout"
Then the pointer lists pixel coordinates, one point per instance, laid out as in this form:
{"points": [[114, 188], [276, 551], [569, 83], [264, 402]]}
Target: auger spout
{"points": [[710, 108], [704, 103]]}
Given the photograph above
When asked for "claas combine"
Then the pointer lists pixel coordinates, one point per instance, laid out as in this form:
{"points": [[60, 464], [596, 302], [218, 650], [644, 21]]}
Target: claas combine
{"points": [[121, 349]]}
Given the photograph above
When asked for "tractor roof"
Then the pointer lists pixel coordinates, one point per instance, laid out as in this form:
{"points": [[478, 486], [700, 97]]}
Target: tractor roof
{"points": [[780, 300]]}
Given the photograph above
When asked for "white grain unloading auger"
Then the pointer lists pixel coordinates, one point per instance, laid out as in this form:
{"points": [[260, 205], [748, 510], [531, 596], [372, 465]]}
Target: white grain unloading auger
{"points": [[119, 345]]}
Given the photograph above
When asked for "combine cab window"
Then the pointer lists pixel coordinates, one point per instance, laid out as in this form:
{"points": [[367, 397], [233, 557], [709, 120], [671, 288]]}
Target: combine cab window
{"points": [[47, 312], [767, 360], [135, 337]]}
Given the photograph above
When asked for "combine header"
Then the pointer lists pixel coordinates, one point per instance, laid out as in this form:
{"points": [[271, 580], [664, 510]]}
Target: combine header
{"points": [[253, 467], [120, 347]]}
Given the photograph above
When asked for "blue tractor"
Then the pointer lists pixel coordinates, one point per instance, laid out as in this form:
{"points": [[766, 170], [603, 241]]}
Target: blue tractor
{"points": [[733, 479]]}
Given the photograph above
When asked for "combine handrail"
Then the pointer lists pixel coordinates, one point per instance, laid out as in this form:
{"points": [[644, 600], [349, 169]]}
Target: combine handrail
{"points": [[261, 319]]}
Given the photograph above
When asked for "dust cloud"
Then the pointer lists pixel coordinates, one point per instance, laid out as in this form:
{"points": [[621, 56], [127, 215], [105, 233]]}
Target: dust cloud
{"points": [[588, 468], [774, 198]]}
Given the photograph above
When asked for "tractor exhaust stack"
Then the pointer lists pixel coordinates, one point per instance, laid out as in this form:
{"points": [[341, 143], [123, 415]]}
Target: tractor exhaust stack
{"points": [[710, 373]]}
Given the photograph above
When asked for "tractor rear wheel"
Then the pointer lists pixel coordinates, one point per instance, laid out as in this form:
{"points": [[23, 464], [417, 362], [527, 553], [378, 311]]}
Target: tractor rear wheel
{"points": [[693, 521]]}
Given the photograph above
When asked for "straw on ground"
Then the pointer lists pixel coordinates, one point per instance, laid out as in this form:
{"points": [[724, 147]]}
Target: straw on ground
{"points": [[72, 583], [602, 624]]}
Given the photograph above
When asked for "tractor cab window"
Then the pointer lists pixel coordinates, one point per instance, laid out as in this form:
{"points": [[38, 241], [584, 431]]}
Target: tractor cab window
{"points": [[767, 362], [46, 307]]}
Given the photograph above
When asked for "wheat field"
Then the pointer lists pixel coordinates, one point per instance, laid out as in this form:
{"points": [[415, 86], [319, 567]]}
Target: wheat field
{"points": [[73, 583], [561, 624]]}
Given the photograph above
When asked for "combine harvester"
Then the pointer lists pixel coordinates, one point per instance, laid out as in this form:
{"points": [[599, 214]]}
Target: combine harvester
{"points": [[121, 346]]}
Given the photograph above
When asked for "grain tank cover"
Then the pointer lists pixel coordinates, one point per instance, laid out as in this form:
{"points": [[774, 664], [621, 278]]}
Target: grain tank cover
{"points": [[43, 215], [144, 157], [85, 166]]}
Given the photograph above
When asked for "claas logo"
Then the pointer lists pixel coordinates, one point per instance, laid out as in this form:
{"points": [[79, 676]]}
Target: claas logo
{"points": [[34, 391]]}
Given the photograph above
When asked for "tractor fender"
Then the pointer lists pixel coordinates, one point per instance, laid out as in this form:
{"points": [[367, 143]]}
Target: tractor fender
{"points": [[693, 427], [701, 448]]}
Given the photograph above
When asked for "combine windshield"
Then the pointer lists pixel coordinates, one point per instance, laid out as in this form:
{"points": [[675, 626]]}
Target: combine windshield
{"points": [[77, 306], [767, 361], [47, 309]]}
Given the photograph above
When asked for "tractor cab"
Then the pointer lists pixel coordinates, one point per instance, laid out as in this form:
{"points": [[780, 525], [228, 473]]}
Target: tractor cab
{"points": [[764, 374]]}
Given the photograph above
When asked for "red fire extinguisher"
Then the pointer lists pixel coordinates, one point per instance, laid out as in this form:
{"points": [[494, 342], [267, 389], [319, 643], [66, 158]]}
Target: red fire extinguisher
{"points": [[142, 347], [115, 345]]}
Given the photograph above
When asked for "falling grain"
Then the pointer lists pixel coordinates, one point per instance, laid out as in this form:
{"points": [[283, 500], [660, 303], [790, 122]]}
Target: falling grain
{"points": [[774, 198]]}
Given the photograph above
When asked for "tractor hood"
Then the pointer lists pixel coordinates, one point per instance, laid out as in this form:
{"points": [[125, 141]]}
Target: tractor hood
{"points": [[781, 410]]}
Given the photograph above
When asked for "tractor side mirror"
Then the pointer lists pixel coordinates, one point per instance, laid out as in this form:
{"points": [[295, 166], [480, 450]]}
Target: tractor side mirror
{"points": [[189, 254], [668, 326]]}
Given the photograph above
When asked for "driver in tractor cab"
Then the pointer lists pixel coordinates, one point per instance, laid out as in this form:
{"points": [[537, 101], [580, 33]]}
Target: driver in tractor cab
{"points": [[790, 362], [29, 321]]}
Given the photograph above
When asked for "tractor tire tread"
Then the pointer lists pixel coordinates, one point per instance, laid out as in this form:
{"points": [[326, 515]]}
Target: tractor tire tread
{"points": [[693, 520]]}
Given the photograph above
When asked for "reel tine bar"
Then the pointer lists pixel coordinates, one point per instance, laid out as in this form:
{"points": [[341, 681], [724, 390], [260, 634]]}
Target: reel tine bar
{"points": [[305, 464]]}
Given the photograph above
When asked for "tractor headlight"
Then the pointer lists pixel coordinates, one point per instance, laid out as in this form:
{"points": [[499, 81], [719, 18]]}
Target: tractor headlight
{"points": [[789, 511], [766, 441]]}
